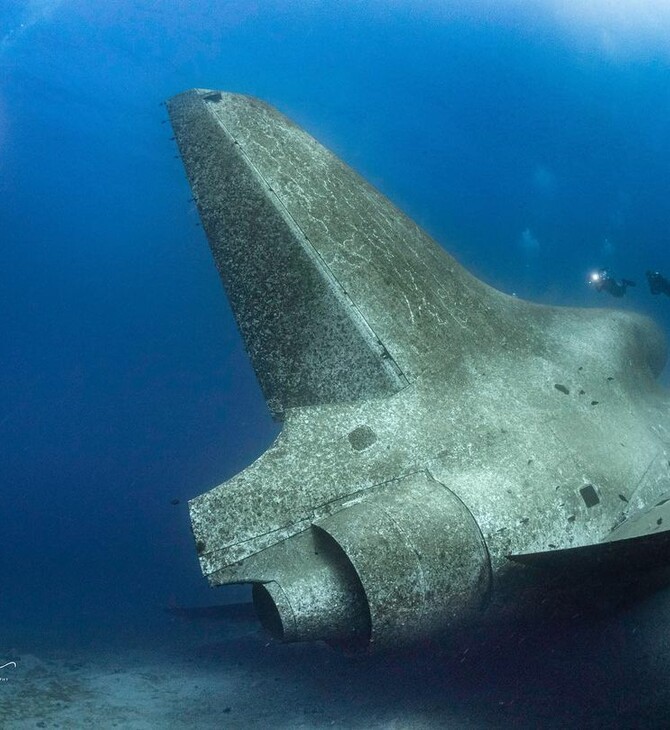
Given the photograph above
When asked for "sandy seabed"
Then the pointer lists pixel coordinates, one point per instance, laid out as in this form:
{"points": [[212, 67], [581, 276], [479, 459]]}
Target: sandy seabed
{"points": [[603, 673]]}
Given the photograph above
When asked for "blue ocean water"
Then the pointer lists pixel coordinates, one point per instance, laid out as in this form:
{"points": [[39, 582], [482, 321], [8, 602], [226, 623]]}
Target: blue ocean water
{"points": [[530, 139]]}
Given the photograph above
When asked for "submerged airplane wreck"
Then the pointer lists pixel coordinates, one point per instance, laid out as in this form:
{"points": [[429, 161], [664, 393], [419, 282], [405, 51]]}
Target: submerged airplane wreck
{"points": [[447, 450]]}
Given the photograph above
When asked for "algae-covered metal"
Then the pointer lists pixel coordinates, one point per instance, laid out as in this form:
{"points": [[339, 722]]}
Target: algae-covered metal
{"points": [[440, 438]]}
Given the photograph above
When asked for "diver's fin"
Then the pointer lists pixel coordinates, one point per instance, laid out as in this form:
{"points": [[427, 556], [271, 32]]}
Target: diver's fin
{"points": [[338, 295]]}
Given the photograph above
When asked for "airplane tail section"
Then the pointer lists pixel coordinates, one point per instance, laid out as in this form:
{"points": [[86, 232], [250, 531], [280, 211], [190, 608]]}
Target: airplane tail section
{"points": [[523, 444]]}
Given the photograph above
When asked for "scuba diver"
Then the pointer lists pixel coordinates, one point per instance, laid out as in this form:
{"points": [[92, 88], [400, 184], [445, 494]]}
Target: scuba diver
{"points": [[602, 281], [658, 284]]}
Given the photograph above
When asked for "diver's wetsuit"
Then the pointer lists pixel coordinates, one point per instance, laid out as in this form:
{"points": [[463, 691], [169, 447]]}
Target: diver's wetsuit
{"points": [[604, 282], [658, 284]]}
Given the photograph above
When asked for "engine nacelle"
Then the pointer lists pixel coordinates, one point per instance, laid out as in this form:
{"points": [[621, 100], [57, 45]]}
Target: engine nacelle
{"points": [[406, 562]]}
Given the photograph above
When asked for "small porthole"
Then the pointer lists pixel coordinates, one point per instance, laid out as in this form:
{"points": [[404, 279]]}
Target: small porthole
{"points": [[589, 495], [361, 438]]}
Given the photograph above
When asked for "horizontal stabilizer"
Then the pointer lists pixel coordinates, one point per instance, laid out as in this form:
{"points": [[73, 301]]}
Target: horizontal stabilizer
{"points": [[631, 553], [649, 521]]}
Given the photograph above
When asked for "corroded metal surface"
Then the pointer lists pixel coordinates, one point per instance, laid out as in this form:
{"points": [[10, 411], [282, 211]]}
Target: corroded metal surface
{"points": [[433, 428]]}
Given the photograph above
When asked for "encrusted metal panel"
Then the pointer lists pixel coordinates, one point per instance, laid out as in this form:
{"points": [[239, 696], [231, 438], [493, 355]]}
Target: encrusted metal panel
{"points": [[409, 290]]}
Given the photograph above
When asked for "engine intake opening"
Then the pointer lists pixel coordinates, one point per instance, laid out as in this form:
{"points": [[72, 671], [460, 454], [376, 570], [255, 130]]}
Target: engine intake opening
{"points": [[267, 611]]}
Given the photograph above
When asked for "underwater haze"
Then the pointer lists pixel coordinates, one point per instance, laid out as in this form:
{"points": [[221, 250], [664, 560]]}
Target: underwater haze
{"points": [[530, 139]]}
